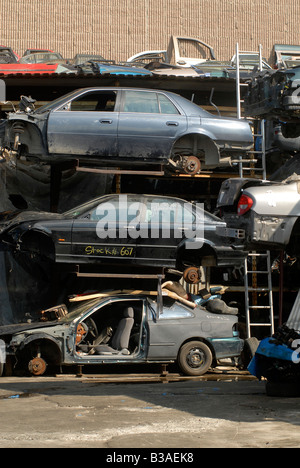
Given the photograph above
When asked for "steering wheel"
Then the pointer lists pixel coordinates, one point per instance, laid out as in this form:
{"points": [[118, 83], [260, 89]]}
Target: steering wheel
{"points": [[92, 327]]}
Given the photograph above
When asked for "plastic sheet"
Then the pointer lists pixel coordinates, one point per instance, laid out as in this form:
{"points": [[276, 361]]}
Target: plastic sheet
{"points": [[26, 286]]}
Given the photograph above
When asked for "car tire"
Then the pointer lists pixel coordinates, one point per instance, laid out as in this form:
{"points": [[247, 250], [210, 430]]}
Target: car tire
{"points": [[249, 350], [195, 358]]}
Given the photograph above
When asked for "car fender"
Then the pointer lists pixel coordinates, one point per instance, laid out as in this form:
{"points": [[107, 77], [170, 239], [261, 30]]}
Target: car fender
{"points": [[194, 243], [41, 229], [21, 340], [26, 234], [38, 336], [203, 338], [198, 132], [197, 250]]}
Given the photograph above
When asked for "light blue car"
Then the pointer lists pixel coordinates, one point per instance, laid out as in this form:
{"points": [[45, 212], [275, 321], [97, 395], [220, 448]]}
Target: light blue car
{"points": [[123, 329], [127, 127]]}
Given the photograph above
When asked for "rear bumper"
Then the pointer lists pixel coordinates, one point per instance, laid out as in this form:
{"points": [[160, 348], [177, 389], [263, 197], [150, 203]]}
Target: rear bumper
{"points": [[263, 231], [227, 347], [228, 256]]}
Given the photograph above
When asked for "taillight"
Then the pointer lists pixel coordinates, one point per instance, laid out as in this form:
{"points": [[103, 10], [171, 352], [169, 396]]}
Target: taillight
{"points": [[244, 204]]}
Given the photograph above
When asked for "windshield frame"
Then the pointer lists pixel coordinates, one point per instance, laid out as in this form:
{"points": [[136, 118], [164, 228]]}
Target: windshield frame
{"points": [[77, 310], [56, 103], [79, 210]]}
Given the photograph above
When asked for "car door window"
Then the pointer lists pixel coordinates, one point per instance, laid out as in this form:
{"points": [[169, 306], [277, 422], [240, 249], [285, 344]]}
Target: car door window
{"points": [[94, 102], [141, 102], [169, 218], [166, 106], [160, 210], [164, 210]]}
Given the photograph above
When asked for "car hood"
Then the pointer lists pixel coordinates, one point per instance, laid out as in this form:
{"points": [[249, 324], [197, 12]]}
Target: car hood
{"points": [[14, 218], [22, 327]]}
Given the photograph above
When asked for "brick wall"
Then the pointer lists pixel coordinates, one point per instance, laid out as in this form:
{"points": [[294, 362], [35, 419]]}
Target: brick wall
{"points": [[118, 29]]}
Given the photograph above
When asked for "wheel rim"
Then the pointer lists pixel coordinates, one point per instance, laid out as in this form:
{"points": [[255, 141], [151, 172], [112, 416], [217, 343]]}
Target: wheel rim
{"points": [[196, 358]]}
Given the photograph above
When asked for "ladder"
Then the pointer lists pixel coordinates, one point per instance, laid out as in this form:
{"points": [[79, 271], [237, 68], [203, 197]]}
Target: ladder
{"points": [[260, 267], [260, 261], [259, 151]]}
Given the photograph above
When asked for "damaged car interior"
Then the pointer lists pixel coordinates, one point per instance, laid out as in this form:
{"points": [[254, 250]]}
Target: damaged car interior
{"points": [[87, 281]]}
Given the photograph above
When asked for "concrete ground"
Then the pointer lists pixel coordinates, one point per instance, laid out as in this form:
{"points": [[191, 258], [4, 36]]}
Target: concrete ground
{"points": [[68, 411]]}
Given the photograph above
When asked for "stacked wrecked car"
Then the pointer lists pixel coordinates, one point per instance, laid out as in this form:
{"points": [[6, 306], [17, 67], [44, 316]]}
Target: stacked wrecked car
{"points": [[131, 128]]}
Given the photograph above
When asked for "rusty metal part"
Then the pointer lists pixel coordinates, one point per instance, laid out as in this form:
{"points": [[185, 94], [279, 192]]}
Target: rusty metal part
{"points": [[8, 156], [192, 165], [37, 366], [80, 333], [192, 275]]}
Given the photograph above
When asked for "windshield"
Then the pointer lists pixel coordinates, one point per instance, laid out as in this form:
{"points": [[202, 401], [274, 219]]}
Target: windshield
{"points": [[85, 207], [56, 103], [77, 309]]}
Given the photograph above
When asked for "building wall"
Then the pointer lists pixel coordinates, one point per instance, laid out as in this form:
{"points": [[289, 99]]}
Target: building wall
{"points": [[118, 29]]}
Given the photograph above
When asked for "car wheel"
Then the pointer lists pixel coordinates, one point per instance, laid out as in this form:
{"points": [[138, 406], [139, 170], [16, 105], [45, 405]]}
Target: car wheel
{"points": [[249, 350], [194, 358]]}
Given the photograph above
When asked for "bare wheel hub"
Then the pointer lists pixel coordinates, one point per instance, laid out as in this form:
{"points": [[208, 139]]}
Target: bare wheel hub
{"points": [[192, 275], [37, 366], [192, 165]]}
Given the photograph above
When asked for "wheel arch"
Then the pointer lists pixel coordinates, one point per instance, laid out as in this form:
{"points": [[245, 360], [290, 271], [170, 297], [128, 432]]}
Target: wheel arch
{"points": [[50, 348], [201, 145], [198, 338], [205, 256], [39, 239], [30, 136]]}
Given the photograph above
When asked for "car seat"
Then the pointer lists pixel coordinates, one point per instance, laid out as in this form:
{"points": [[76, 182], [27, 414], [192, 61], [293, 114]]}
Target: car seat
{"points": [[120, 339]]}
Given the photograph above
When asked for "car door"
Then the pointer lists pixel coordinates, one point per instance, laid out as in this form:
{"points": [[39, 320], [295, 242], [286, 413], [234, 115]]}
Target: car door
{"points": [[98, 324], [165, 224], [167, 329], [87, 125], [149, 123], [104, 234]]}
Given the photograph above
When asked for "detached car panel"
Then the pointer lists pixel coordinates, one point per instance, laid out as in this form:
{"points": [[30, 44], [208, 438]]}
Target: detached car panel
{"points": [[127, 126], [126, 329]]}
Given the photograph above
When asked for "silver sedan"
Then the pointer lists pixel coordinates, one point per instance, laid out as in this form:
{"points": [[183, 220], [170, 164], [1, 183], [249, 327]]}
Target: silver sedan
{"points": [[126, 126]]}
